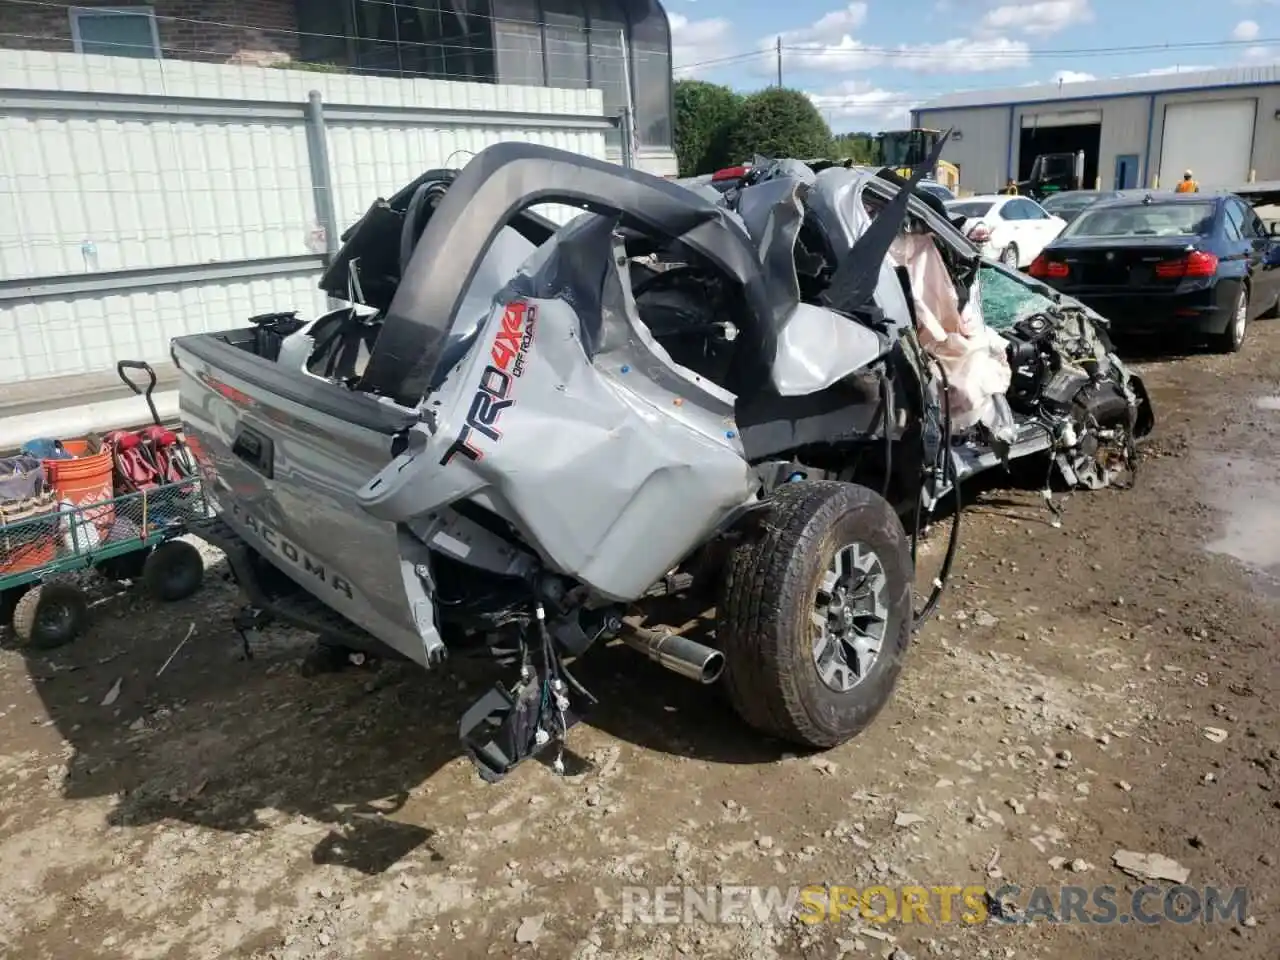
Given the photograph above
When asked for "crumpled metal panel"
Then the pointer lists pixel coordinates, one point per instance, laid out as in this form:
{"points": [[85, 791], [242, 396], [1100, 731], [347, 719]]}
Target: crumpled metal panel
{"points": [[818, 348], [815, 347], [836, 205], [614, 466]]}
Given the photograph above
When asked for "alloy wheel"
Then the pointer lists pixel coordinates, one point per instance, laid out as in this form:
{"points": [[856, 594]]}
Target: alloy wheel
{"points": [[850, 617]]}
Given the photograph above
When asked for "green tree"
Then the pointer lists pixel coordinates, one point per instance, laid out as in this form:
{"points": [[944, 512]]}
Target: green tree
{"points": [[859, 146], [705, 115], [779, 123]]}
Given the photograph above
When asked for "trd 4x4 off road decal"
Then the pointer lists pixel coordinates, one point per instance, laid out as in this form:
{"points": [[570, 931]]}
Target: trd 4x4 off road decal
{"points": [[507, 356]]}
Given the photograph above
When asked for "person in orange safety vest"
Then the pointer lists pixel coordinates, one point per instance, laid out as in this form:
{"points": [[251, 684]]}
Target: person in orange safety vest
{"points": [[1187, 184]]}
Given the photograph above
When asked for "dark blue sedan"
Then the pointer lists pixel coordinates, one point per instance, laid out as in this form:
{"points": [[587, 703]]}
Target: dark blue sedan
{"points": [[1169, 264]]}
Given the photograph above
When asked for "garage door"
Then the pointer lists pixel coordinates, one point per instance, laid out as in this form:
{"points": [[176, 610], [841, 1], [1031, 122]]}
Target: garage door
{"points": [[1212, 139], [1073, 118]]}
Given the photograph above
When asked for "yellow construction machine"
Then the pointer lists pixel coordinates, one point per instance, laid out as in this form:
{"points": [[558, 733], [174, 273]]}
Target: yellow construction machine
{"points": [[904, 150]]}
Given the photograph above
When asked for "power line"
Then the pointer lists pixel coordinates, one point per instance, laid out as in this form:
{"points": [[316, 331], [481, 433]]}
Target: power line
{"points": [[997, 54], [732, 58], [927, 50]]}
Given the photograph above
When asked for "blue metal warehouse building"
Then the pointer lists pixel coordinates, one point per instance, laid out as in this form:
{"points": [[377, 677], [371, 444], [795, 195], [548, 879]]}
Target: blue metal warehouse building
{"points": [[1136, 131]]}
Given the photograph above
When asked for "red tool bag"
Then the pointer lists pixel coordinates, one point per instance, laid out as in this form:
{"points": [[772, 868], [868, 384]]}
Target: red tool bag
{"points": [[135, 466], [149, 458], [167, 454]]}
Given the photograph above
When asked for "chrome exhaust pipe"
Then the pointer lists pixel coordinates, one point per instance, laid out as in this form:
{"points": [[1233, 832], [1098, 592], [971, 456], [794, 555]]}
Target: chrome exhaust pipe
{"points": [[690, 659]]}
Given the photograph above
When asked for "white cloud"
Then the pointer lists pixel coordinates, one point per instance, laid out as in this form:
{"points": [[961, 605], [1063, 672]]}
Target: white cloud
{"points": [[829, 45], [1038, 18], [694, 42], [1072, 76], [1259, 54], [815, 49], [1246, 30], [841, 22], [861, 101], [1166, 71]]}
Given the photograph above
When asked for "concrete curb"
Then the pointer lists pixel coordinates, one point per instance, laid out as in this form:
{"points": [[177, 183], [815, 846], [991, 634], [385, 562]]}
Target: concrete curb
{"points": [[86, 419]]}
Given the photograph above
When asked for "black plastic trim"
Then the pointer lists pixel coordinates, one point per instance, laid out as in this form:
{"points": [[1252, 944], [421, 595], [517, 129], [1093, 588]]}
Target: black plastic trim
{"points": [[340, 404], [495, 186]]}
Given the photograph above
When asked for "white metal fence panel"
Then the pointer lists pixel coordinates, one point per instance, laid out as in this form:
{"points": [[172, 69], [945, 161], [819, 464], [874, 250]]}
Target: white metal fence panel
{"points": [[372, 161], [201, 180], [84, 194], [64, 336]]}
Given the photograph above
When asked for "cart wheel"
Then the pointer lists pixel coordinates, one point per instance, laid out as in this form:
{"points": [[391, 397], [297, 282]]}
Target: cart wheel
{"points": [[9, 601], [126, 566], [174, 571], [49, 615]]}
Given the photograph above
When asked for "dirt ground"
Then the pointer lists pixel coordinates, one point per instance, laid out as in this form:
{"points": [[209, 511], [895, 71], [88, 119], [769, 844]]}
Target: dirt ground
{"points": [[1109, 685]]}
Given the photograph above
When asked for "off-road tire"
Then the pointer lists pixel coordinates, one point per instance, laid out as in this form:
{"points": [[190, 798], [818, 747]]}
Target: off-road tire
{"points": [[763, 620], [174, 571], [1232, 339], [50, 615], [9, 602]]}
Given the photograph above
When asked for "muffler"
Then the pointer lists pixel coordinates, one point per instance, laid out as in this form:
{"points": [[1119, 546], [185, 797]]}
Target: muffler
{"points": [[690, 659]]}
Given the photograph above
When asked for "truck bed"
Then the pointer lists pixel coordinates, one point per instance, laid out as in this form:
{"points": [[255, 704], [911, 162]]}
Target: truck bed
{"points": [[282, 454]]}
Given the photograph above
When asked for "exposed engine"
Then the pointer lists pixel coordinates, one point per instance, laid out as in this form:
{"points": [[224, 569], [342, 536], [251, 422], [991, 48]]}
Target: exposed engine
{"points": [[1065, 378]]}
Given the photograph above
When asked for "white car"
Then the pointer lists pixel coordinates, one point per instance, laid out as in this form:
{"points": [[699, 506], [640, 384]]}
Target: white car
{"points": [[1010, 229]]}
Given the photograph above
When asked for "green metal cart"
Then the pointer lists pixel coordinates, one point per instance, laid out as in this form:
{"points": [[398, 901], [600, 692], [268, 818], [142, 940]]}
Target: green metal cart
{"points": [[130, 537]]}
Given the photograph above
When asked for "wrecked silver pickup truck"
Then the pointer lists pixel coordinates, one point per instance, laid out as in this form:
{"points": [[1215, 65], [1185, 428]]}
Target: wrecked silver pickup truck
{"points": [[515, 432]]}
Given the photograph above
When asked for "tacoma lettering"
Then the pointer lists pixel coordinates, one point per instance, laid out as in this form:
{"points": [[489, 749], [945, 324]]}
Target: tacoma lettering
{"points": [[297, 557]]}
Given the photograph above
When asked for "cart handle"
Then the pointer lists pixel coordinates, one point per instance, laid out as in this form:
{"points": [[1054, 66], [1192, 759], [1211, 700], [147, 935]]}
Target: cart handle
{"points": [[142, 365]]}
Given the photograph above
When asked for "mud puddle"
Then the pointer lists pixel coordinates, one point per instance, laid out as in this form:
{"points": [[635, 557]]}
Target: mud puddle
{"points": [[1247, 493]]}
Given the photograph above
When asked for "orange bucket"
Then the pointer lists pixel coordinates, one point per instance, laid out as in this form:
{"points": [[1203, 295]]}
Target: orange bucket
{"points": [[81, 482]]}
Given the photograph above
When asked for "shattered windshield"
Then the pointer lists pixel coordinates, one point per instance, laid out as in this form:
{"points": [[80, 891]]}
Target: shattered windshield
{"points": [[1145, 220], [1006, 300]]}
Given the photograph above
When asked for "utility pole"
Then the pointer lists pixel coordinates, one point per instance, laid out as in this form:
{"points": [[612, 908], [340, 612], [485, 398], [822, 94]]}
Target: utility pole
{"points": [[779, 48], [627, 119]]}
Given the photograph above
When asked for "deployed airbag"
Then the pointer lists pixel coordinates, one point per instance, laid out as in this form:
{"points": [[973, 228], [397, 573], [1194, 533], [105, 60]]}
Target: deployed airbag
{"points": [[971, 354]]}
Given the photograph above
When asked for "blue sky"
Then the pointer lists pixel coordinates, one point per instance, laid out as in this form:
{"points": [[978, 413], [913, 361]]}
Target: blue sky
{"points": [[867, 62]]}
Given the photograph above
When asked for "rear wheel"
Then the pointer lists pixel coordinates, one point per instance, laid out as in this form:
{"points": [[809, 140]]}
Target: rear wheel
{"points": [[815, 615], [9, 601], [1009, 256], [1231, 339], [174, 571], [50, 615]]}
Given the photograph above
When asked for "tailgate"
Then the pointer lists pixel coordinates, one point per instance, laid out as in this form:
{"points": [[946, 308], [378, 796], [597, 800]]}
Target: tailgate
{"points": [[283, 455]]}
